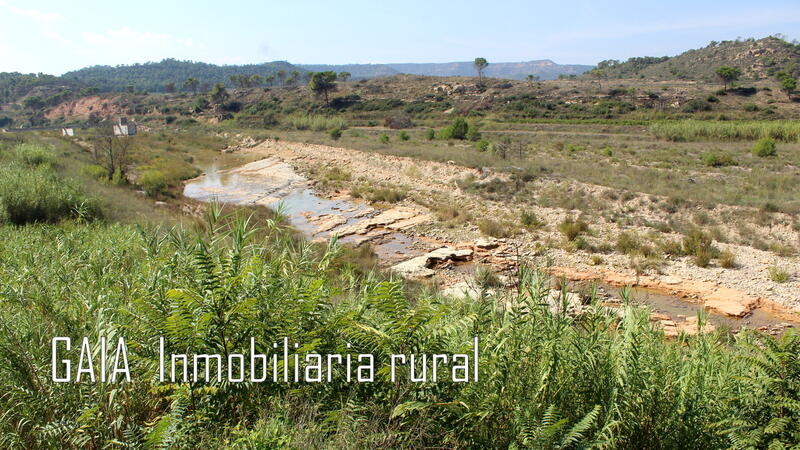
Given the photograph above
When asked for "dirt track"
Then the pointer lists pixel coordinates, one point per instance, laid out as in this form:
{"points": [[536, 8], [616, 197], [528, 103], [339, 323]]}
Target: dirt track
{"points": [[731, 291]]}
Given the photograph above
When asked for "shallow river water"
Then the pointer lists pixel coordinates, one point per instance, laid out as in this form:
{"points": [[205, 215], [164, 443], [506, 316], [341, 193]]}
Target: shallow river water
{"points": [[274, 184]]}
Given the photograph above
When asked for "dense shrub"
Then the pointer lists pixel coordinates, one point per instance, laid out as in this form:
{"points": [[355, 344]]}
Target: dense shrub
{"points": [[34, 155], [572, 228], [95, 171], [546, 378], [717, 159], [696, 105], [315, 123], [495, 228], [37, 194], [765, 147], [154, 182]]}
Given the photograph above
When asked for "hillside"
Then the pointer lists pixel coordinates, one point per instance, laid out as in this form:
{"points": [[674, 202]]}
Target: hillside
{"points": [[544, 69], [155, 76], [758, 60]]}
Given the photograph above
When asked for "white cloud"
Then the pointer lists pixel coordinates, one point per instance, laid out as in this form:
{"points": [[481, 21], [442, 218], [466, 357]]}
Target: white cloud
{"points": [[46, 21]]}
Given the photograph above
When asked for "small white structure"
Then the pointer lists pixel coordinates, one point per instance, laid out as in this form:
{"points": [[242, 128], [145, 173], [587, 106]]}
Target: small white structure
{"points": [[68, 132], [123, 128]]}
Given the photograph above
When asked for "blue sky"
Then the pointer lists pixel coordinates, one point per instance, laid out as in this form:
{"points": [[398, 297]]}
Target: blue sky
{"points": [[55, 36]]}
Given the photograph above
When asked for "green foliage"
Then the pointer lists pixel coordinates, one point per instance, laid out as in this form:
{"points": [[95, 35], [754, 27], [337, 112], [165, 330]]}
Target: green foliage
{"points": [[696, 105], [727, 259], [529, 220], [728, 74], [483, 145], [386, 195], [199, 104], [210, 292], [322, 84], [219, 94], [717, 159], [480, 64], [765, 147], [572, 228], [154, 182], [430, 134], [495, 228], [335, 133], [404, 136], [697, 130], [95, 171], [472, 132], [778, 275], [35, 155], [315, 123], [36, 193], [384, 139], [461, 129], [154, 77], [787, 82]]}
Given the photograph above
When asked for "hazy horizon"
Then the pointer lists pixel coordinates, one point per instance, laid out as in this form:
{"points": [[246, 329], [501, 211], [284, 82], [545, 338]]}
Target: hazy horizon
{"points": [[46, 36]]}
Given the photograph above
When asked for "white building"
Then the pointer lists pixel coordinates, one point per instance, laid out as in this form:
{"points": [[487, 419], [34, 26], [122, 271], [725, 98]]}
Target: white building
{"points": [[123, 128]]}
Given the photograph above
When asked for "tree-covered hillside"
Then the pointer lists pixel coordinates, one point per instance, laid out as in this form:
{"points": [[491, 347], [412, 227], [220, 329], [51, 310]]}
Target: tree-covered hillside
{"points": [[757, 59], [155, 77]]}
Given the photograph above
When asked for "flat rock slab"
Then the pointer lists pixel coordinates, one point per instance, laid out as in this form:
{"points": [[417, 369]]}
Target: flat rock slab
{"points": [[385, 218], [448, 253], [730, 302], [327, 222], [413, 268], [420, 266], [486, 243]]}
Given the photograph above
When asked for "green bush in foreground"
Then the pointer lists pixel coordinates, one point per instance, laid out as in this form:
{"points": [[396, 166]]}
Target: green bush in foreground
{"points": [[37, 194], [546, 379], [154, 182], [35, 155], [765, 147]]}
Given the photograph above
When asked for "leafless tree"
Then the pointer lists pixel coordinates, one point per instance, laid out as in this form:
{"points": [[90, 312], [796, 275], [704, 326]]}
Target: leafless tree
{"points": [[110, 151]]}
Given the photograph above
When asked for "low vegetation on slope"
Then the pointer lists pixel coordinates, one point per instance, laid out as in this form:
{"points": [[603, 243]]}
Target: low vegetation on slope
{"points": [[546, 379], [758, 59]]}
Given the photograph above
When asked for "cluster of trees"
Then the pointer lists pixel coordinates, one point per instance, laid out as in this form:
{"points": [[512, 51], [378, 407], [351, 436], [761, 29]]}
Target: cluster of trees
{"points": [[248, 81], [15, 85], [729, 75], [166, 75]]}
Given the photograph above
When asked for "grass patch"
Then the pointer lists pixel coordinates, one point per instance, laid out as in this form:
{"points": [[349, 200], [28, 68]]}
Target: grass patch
{"points": [[778, 274], [496, 228], [572, 228], [697, 130]]}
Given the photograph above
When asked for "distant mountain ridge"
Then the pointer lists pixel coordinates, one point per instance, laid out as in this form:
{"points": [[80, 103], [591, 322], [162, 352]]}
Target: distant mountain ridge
{"points": [[545, 69], [757, 59]]}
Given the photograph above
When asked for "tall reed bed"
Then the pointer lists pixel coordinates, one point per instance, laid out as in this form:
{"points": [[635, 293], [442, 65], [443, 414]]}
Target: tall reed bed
{"points": [[315, 123], [698, 130], [32, 191], [547, 379]]}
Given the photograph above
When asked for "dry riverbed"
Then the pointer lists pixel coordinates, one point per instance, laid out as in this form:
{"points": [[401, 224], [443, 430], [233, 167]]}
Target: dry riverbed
{"points": [[410, 239]]}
